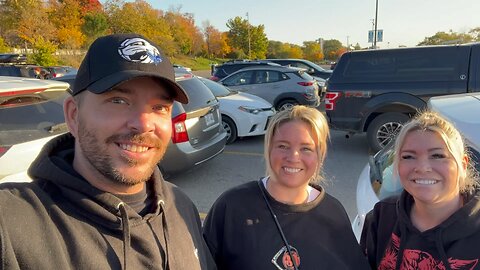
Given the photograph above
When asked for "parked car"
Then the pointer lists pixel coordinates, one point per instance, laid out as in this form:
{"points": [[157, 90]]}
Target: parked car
{"points": [[69, 78], [375, 91], [21, 70], [313, 69], [377, 180], [281, 86], [198, 134], [59, 71], [13, 58], [181, 69], [222, 71], [31, 113], [243, 114]]}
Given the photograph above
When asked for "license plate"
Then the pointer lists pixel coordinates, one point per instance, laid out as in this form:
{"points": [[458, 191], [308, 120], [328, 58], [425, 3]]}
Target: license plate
{"points": [[209, 120]]}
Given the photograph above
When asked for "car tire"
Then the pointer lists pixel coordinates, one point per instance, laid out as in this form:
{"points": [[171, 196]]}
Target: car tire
{"points": [[384, 128], [285, 104], [230, 128]]}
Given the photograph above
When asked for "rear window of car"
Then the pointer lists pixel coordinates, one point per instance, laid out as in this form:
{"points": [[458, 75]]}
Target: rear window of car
{"points": [[10, 71], [304, 75], [399, 65], [27, 118], [199, 95]]}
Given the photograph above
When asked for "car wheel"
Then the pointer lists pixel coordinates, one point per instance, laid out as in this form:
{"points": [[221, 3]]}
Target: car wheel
{"points": [[286, 104], [384, 128], [230, 128]]}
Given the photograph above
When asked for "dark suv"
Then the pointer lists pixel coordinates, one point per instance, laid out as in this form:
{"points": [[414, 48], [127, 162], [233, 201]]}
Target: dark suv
{"points": [[222, 71], [27, 71], [376, 91]]}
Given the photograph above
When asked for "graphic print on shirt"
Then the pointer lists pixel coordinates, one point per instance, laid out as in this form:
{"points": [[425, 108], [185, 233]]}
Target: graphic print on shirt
{"points": [[417, 259], [283, 261]]}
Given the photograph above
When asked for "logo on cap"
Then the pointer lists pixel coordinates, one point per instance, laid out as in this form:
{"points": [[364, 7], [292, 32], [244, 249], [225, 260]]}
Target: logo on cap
{"points": [[139, 50]]}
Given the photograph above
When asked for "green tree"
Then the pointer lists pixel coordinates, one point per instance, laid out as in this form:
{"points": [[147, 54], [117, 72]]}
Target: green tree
{"points": [[95, 24], [242, 33], [43, 52], [330, 48], [446, 38], [3, 47]]}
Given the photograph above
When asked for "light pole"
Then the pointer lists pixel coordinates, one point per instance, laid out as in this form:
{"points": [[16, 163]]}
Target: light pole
{"points": [[248, 31], [376, 20]]}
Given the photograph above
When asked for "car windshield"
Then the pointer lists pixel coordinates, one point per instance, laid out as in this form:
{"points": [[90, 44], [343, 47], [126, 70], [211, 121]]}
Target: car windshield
{"points": [[317, 66], [28, 118], [217, 89]]}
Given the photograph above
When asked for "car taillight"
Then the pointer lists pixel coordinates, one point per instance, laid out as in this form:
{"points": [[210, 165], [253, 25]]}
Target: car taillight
{"points": [[305, 83], [330, 99], [214, 78], [179, 130], [3, 150]]}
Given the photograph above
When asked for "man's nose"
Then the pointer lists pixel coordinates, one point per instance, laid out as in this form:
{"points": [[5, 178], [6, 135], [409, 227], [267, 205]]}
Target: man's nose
{"points": [[142, 121]]}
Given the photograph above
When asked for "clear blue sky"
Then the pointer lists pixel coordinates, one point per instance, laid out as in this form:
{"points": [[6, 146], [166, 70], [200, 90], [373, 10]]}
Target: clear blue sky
{"points": [[404, 22]]}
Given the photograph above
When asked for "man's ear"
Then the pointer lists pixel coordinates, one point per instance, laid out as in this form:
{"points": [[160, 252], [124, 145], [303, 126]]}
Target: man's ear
{"points": [[70, 111]]}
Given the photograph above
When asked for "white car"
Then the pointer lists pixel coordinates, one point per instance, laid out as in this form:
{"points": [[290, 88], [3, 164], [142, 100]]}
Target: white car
{"points": [[31, 113], [377, 181], [242, 114]]}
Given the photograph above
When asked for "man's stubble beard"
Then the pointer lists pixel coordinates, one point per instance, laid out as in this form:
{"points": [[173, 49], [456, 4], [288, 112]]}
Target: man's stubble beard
{"points": [[97, 155]]}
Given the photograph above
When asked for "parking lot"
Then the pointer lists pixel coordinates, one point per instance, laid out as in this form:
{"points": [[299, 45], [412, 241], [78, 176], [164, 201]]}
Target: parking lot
{"points": [[243, 161]]}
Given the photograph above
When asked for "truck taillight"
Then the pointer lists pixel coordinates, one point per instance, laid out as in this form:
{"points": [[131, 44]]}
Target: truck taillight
{"points": [[179, 130], [330, 99]]}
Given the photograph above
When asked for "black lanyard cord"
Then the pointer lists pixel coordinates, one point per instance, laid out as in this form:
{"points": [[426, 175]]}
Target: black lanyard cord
{"points": [[289, 250]]}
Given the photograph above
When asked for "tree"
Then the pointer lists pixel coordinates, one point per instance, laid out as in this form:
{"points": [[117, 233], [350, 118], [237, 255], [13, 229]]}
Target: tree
{"points": [[43, 52], [446, 38], [215, 41], [312, 51], [139, 17], [95, 24], [475, 33], [187, 36], [67, 18], [3, 47], [242, 33], [330, 48]]}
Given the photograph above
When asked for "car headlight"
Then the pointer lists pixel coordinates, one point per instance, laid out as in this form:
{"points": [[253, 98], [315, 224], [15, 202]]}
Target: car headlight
{"points": [[250, 109]]}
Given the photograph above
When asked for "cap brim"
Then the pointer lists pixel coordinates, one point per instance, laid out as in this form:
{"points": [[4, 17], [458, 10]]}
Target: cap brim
{"points": [[107, 83]]}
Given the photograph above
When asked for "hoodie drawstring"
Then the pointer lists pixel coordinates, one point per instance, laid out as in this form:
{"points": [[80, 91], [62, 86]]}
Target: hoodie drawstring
{"points": [[441, 250], [403, 241], [161, 205], [126, 233]]}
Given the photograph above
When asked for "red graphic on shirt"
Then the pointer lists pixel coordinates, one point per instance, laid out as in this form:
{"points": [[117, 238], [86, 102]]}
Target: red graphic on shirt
{"points": [[283, 261], [417, 259]]}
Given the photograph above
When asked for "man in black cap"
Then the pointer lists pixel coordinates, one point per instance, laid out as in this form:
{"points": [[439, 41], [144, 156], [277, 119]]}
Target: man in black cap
{"points": [[98, 200]]}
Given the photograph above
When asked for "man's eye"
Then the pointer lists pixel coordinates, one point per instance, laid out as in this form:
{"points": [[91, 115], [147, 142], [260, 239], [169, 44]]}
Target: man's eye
{"points": [[161, 108], [118, 101]]}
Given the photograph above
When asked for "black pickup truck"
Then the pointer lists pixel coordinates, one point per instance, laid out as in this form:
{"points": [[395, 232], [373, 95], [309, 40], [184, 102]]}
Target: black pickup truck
{"points": [[376, 91]]}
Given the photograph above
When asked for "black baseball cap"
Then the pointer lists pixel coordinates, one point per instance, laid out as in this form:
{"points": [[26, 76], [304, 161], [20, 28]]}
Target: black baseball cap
{"points": [[114, 59]]}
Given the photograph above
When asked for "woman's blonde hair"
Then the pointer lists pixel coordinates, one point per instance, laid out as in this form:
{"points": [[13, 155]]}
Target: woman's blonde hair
{"points": [[314, 119], [431, 121]]}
